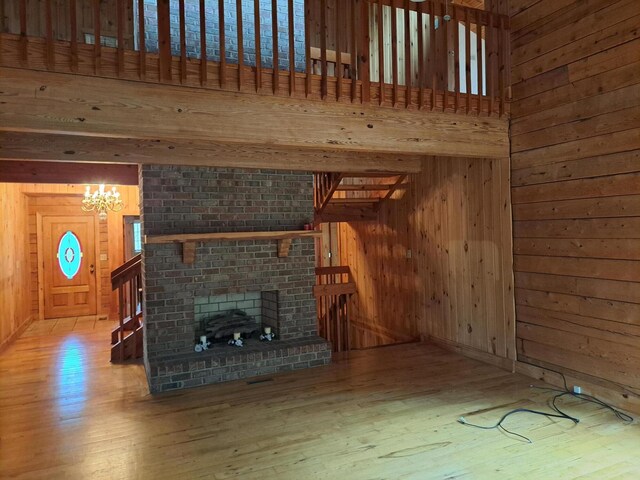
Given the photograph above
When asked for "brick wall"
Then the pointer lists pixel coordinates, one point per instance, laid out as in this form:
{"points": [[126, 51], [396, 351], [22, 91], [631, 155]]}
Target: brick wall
{"points": [[192, 29], [197, 200]]}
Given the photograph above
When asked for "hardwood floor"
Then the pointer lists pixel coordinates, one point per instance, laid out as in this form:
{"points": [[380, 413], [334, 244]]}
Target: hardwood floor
{"points": [[387, 413]]}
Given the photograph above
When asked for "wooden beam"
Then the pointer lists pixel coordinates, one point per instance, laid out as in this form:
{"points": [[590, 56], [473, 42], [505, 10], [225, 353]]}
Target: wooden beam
{"points": [[56, 103], [68, 172], [71, 148]]}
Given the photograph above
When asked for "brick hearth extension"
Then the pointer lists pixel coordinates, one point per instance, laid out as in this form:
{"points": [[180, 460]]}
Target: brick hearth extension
{"points": [[179, 200]]}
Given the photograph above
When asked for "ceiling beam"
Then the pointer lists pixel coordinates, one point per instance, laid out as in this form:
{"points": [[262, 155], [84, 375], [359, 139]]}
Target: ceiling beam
{"points": [[70, 148], [67, 173], [45, 102]]}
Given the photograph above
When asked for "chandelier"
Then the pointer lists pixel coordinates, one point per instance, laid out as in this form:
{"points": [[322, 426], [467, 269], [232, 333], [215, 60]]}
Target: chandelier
{"points": [[102, 201]]}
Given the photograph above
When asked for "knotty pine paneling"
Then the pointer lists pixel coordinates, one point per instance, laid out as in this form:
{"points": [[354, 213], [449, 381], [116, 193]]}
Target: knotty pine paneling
{"points": [[438, 262], [14, 263], [575, 142]]}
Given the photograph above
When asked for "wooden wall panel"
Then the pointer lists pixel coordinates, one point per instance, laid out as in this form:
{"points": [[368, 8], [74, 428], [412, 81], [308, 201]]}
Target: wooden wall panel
{"points": [[15, 298], [576, 186], [438, 263]]}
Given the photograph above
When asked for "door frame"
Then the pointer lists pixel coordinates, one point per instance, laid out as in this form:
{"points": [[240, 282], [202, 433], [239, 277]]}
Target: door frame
{"points": [[40, 250]]}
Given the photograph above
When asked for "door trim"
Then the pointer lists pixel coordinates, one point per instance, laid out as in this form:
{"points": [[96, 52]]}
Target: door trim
{"points": [[40, 249]]}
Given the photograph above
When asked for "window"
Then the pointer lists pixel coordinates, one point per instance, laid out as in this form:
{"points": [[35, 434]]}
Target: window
{"points": [[132, 236], [69, 254]]}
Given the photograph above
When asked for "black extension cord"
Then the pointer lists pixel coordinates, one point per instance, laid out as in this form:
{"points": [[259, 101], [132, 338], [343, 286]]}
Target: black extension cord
{"points": [[558, 413]]}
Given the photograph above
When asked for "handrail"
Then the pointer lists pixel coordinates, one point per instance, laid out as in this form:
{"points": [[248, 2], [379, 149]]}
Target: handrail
{"points": [[126, 271], [394, 53], [127, 280]]}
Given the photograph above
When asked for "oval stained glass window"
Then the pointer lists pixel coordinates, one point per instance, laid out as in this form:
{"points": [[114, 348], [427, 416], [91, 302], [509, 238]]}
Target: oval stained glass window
{"points": [[69, 254]]}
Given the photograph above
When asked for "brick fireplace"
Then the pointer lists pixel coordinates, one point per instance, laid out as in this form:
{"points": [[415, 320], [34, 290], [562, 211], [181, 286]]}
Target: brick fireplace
{"points": [[241, 274]]}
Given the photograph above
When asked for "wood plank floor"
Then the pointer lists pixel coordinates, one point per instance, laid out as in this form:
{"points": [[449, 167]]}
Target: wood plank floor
{"points": [[388, 413]]}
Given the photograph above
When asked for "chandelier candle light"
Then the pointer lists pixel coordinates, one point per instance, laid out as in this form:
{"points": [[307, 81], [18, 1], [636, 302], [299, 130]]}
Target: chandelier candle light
{"points": [[101, 201]]}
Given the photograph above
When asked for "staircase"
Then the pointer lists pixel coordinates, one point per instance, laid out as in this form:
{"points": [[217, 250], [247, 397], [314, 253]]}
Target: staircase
{"points": [[126, 338], [350, 197]]}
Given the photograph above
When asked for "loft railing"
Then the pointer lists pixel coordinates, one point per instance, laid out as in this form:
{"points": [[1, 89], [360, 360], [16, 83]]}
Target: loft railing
{"points": [[386, 52]]}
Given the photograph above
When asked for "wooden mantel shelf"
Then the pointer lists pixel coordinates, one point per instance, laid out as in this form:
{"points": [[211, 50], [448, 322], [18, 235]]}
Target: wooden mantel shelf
{"points": [[189, 240]]}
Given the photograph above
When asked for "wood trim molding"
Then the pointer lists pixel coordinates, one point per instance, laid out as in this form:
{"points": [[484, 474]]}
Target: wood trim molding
{"points": [[67, 173], [609, 392], [15, 335], [467, 351]]}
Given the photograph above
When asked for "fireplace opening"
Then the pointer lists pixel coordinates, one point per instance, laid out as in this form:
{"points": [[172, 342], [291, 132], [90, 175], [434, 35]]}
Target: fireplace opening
{"points": [[225, 319]]}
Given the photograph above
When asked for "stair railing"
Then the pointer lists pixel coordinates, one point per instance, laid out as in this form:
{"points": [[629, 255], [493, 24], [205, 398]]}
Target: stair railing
{"points": [[127, 279], [324, 186], [334, 286]]}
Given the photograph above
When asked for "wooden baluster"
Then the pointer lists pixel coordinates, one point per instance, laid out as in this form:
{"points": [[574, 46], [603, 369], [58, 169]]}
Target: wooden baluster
{"points": [[338, 70], [394, 53], [134, 322], [348, 322], [24, 58], [433, 49], [445, 50], [96, 38], [421, 59], [490, 70], [381, 51], [183, 42], [364, 70], [276, 59], [338, 321], [223, 41], [467, 56], [354, 51], [164, 40], [456, 53], [142, 42], [121, 319], [307, 45], [407, 52], [131, 308], [479, 59], [49, 50], [73, 33], [323, 49], [292, 49], [203, 44], [257, 23], [240, 43], [502, 84], [120, 34]]}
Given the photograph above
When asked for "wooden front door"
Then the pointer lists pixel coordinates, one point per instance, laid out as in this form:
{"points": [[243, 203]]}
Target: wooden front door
{"points": [[69, 266]]}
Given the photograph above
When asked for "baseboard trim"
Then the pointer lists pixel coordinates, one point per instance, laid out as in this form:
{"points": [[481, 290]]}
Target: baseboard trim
{"points": [[471, 352], [609, 392], [19, 331]]}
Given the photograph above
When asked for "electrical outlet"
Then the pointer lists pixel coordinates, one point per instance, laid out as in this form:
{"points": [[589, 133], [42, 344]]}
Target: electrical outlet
{"points": [[409, 254], [577, 389]]}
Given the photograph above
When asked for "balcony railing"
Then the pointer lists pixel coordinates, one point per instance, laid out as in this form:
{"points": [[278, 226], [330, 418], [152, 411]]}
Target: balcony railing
{"points": [[392, 53]]}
